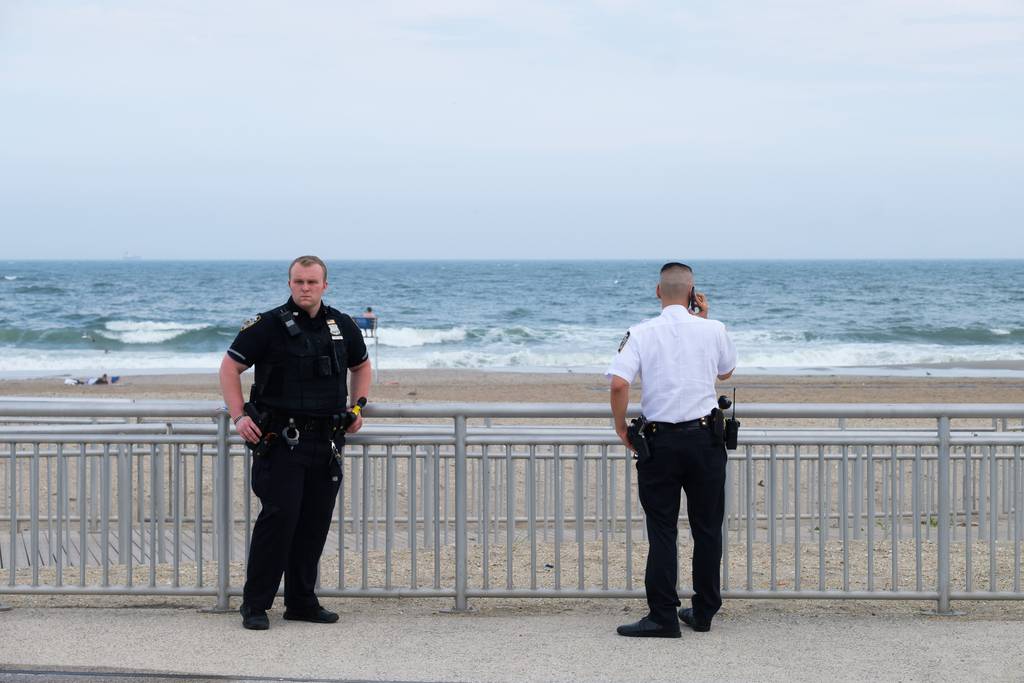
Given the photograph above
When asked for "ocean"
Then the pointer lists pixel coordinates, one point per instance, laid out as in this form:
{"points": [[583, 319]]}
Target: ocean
{"points": [[136, 316]]}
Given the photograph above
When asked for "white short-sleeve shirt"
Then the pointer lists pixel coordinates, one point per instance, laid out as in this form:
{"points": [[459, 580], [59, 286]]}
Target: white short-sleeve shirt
{"points": [[678, 357]]}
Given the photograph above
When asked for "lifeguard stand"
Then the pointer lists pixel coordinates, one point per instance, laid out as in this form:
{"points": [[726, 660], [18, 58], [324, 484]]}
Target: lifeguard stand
{"points": [[368, 326]]}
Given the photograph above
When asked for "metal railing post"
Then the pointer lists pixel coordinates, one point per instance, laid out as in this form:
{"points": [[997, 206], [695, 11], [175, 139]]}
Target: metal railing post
{"points": [[944, 514], [222, 505], [461, 603]]}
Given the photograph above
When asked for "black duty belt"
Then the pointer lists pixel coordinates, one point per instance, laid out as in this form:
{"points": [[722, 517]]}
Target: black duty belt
{"points": [[688, 425], [320, 424]]}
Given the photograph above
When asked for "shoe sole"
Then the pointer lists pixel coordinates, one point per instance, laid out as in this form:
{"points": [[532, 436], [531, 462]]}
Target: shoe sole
{"points": [[260, 627], [651, 635]]}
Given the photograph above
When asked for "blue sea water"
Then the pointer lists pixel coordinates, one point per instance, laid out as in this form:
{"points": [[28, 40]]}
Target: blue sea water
{"points": [[142, 316]]}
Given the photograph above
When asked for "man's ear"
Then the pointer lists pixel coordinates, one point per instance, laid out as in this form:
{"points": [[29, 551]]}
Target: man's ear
{"points": [[657, 291]]}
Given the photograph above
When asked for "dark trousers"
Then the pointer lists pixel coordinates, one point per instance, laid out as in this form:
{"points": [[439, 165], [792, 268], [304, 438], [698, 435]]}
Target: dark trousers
{"points": [[693, 460], [298, 489]]}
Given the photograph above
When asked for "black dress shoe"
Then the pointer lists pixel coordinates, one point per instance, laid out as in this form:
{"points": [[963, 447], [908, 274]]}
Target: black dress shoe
{"points": [[687, 617], [647, 628], [317, 615], [254, 619]]}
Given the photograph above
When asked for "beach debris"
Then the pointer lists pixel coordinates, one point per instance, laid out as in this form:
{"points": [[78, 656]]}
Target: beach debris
{"points": [[102, 379]]}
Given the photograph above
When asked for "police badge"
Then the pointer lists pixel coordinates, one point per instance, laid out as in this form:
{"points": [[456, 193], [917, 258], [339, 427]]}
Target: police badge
{"points": [[335, 330]]}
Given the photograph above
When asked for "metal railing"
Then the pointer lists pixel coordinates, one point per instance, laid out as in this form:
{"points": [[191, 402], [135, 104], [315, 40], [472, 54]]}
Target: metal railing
{"points": [[834, 501]]}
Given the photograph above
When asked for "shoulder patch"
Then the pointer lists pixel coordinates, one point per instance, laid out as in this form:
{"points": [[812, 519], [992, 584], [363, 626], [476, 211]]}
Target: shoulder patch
{"points": [[622, 344], [249, 323]]}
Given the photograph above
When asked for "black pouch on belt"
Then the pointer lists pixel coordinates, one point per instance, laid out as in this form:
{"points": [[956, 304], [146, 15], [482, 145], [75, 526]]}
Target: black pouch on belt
{"points": [[717, 423], [637, 438], [262, 420]]}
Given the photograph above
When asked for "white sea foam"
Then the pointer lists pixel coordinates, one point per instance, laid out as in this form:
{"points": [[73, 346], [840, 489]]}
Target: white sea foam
{"points": [[96, 362], [146, 331], [999, 331], [817, 354], [10, 277], [408, 337], [483, 360]]}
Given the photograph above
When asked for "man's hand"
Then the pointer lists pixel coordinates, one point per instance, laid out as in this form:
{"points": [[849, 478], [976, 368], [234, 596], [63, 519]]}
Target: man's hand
{"points": [[624, 437], [248, 430], [355, 426], [702, 303]]}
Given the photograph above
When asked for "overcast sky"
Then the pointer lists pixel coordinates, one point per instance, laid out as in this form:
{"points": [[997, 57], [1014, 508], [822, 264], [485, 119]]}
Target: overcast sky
{"points": [[517, 129]]}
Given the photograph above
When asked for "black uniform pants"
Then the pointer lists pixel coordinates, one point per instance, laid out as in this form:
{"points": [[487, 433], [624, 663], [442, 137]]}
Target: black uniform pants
{"points": [[694, 460], [298, 489]]}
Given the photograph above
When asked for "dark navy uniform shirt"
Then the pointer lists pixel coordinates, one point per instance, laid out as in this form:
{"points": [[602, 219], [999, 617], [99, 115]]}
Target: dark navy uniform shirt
{"points": [[264, 338]]}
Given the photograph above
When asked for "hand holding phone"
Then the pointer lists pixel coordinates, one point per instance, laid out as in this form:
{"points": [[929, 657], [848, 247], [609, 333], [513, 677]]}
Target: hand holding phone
{"points": [[698, 304]]}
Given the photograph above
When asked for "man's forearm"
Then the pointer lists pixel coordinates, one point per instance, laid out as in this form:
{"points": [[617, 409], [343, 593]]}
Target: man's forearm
{"points": [[362, 375], [231, 387], [620, 404]]}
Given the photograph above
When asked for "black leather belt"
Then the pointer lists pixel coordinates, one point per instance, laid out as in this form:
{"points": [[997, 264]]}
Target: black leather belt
{"points": [[688, 425]]}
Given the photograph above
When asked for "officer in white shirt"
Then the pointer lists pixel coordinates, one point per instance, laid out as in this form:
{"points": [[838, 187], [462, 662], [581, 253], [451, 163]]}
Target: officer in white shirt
{"points": [[679, 355]]}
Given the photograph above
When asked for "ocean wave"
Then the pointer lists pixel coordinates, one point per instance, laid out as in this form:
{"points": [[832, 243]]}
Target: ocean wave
{"points": [[90, 358], [408, 337], [485, 360], [39, 289], [10, 278], [57, 337], [515, 334], [953, 337], [147, 331], [98, 362], [861, 355]]}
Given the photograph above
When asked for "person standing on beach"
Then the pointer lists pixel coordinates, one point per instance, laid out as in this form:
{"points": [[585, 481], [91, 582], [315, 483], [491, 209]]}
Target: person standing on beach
{"points": [[303, 352], [679, 355]]}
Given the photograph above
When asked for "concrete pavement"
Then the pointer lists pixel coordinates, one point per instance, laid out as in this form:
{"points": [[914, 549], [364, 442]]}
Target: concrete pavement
{"points": [[399, 641]]}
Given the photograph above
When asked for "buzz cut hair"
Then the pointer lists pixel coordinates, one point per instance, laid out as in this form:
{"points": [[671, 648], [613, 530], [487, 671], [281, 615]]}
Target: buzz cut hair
{"points": [[676, 280], [676, 264], [308, 260]]}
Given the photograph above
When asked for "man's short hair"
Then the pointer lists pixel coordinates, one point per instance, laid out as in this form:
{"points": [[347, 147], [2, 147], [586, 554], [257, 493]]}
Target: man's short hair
{"points": [[675, 264], [676, 280], [308, 260]]}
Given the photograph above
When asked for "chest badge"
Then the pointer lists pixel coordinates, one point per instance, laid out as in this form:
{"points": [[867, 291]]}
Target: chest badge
{"points": [[249, 323], [335, 330]]}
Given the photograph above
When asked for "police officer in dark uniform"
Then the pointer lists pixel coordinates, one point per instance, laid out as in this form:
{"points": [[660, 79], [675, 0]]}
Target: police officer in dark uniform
{"points": [[295, 423], [679, 354]]}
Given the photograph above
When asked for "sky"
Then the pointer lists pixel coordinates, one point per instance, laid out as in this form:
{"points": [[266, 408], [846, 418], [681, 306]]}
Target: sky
{"points": [[457, 129]]}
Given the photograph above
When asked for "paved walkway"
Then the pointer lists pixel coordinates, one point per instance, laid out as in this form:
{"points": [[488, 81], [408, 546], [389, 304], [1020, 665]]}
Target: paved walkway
{"points": [[399, 641]]}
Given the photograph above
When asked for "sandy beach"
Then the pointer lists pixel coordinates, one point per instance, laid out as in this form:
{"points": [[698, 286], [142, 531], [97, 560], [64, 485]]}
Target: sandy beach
{"points": [[563, 387]]}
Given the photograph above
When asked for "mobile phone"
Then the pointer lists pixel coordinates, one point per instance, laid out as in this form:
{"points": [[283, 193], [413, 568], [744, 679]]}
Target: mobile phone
{"points": [[693, 300]]}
